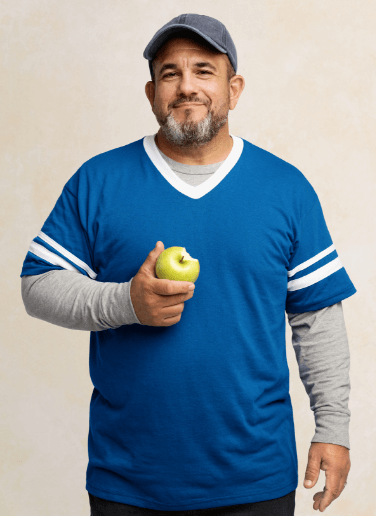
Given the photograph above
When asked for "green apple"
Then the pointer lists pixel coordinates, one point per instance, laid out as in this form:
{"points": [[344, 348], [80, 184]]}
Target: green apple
{"points": [[174, 263]]}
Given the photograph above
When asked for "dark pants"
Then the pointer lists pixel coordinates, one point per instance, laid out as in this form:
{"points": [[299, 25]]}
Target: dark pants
{"points": [[283, 506]]}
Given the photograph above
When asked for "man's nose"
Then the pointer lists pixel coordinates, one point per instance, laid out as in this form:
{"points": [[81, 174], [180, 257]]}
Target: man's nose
{"points": [[187, 85]]}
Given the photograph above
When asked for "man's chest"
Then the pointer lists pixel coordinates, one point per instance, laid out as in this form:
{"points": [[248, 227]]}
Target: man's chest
{"points": [[231, 231]]}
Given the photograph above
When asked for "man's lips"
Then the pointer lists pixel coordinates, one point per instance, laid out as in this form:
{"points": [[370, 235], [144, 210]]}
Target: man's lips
{"points": [[189, 104]]}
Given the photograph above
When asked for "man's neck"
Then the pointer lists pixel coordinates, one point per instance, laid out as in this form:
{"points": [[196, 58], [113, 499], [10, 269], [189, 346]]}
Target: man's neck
{"points": [[213, 152]]}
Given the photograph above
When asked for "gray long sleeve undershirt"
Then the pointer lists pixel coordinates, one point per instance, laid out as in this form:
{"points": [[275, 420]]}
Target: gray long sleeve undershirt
{"points": [[69, 299]]}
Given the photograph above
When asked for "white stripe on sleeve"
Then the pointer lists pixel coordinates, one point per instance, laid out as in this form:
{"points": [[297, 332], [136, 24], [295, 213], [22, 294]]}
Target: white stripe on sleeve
{"points": [[315, 276], [55, 259], [312, 260]]}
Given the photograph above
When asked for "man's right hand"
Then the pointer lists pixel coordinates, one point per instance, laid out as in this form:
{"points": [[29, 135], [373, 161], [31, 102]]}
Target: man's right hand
{"points": [[158, 302]]}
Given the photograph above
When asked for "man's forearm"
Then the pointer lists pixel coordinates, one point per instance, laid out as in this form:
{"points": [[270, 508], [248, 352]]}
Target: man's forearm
{"points": [[72, 300], [322, 351]]}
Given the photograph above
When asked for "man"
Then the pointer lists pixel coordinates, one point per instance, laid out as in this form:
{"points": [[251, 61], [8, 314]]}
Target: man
{"points": [[190, 412]]}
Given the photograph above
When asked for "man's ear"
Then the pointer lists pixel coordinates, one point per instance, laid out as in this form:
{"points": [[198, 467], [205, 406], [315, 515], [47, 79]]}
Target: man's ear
{"points": [[150, 92], [237, 84]]}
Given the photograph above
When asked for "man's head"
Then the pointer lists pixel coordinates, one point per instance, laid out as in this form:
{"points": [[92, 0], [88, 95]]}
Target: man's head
{"points": [[188, 69]]}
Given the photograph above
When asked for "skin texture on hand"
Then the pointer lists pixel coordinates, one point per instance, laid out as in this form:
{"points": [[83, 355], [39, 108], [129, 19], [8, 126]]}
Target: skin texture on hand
{"points": [[158, 302], [334, 459]]}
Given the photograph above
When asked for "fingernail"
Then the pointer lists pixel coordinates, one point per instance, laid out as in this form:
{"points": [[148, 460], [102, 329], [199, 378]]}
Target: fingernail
{"points": [[191, 287], [308, 483]]}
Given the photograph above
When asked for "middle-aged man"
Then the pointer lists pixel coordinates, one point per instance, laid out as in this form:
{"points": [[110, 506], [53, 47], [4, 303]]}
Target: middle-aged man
{"points": [[190, 412]]}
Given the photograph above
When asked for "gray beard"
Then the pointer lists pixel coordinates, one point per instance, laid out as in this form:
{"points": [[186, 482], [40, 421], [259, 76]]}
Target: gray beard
{"points": [[190, 133]]}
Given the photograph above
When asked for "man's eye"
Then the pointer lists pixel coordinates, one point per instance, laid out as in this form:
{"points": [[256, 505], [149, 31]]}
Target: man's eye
{"points": [[174, 73]]}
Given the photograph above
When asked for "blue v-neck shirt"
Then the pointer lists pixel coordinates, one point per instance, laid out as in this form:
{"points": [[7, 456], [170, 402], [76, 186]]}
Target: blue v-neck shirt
{"points": [[197, 414]]}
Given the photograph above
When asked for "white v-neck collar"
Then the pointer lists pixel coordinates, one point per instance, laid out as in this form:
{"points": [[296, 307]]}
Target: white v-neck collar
{"points": [[195, 192]]}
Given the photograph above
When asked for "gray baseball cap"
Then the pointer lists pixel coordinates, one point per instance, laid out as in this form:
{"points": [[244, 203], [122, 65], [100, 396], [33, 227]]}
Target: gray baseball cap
{"points": [[207, 27]]}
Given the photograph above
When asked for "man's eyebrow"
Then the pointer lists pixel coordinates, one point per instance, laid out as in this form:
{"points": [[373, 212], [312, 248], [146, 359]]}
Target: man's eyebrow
{"points": [[173, 66]]}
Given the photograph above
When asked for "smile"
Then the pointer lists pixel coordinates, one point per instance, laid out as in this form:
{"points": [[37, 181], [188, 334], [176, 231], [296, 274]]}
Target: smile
{"points": [[189, 104]]}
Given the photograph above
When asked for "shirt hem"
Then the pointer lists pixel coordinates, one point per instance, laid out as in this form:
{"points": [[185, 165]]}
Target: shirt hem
{"points": [[203, 504], [322, 304]]}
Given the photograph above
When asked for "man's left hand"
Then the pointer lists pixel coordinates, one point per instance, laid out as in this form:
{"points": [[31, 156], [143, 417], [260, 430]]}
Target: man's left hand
{"points": [[334, 459]]}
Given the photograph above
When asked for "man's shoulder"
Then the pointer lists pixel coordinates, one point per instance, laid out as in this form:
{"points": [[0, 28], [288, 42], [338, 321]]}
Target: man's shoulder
{"points": [[94, 171], [273, 166], [269, 158], [114, 155]]}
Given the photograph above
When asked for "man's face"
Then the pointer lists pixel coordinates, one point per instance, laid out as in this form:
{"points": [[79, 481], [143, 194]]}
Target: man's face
{"points": [[186, 72]]}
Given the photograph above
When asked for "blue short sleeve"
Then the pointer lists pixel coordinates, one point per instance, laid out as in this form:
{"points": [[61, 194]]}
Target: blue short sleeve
{"points": [[62, 243], [316, 275]]}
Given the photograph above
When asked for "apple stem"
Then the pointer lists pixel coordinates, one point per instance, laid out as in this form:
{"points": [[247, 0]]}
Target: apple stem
{"points": [[180, 261]]}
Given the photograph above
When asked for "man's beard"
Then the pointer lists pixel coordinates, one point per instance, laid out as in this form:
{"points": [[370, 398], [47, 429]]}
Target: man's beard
{"points": [[190, 133]]}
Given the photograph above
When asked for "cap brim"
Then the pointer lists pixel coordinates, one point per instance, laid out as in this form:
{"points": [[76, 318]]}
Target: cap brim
{"points": [[160, 38]]}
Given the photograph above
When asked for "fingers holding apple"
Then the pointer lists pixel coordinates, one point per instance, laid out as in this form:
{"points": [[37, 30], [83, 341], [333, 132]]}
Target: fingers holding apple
{"points": [[158, 301], [175, 263]]}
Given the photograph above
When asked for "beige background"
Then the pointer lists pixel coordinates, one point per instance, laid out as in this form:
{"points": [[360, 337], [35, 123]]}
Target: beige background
{"points": [[72, 86]]}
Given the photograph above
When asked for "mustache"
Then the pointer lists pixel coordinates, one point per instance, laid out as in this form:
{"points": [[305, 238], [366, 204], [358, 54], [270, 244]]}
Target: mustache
{"points": [[182, 101]]}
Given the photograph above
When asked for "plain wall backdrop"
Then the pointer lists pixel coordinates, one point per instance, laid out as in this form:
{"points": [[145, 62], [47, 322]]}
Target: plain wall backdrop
{"points": [[72, 82]]}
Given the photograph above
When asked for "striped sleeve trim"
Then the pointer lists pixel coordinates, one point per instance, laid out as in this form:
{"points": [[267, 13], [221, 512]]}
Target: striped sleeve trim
{"points": [[315, 276], [309, 262], [55, 259]]}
